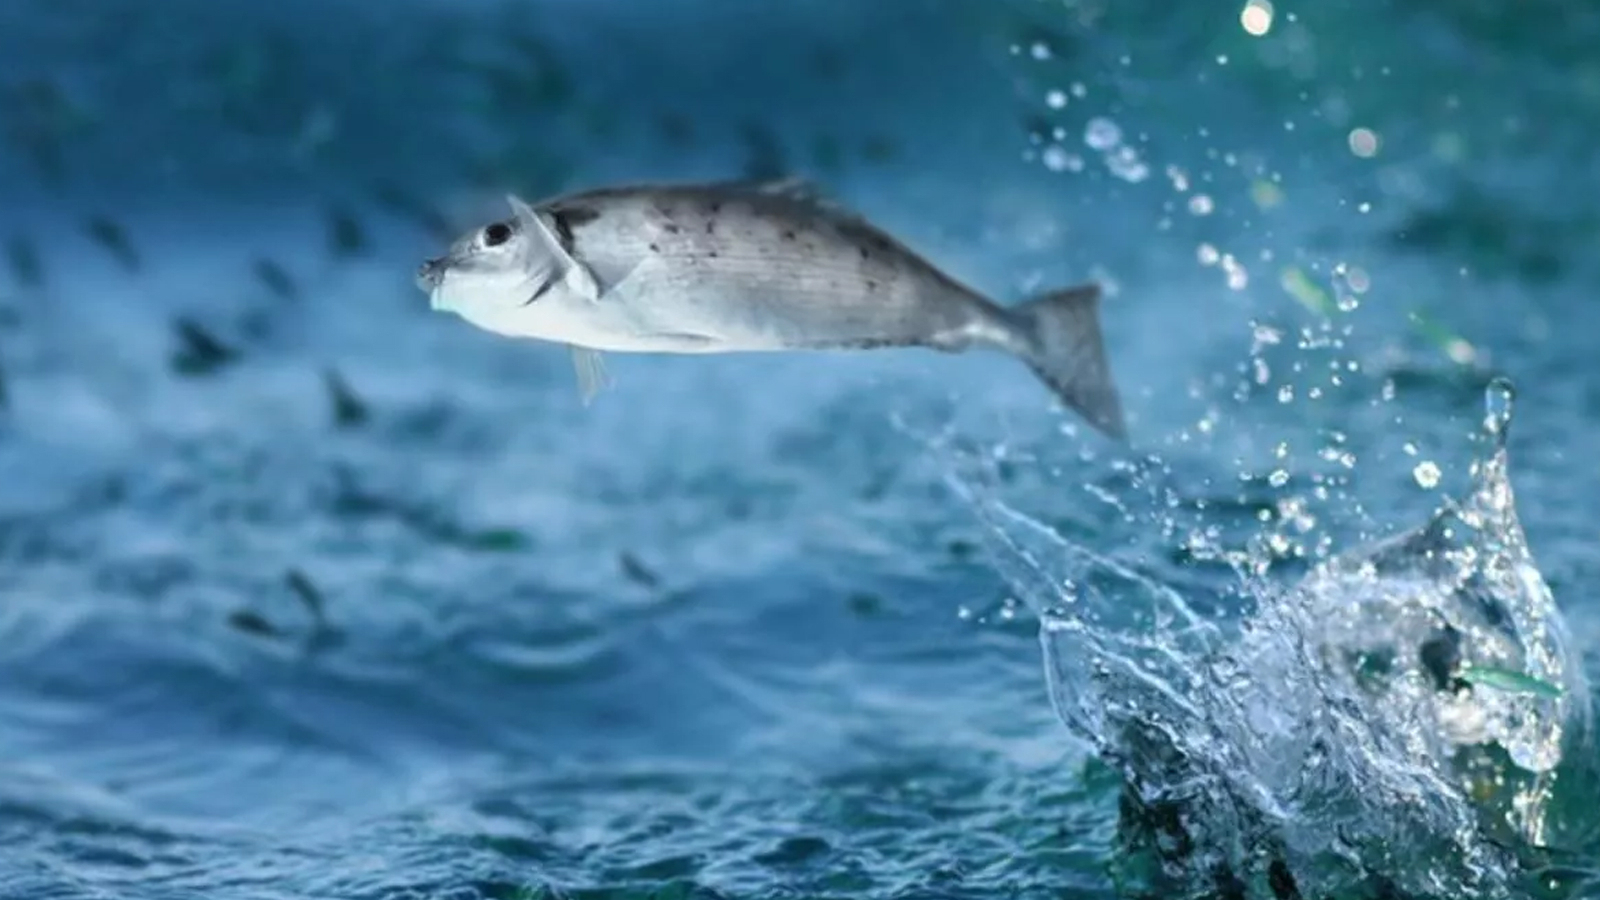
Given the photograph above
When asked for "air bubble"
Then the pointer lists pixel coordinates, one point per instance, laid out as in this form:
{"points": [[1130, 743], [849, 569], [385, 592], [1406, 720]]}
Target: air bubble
{"points": [[1102, 134]]}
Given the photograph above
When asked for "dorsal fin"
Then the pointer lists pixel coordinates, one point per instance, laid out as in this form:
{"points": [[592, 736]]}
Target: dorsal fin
{"points": [[792, 187], [796, 189]]}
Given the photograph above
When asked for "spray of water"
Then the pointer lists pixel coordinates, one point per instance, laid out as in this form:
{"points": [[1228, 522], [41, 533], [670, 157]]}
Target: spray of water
{"points": [[1397, 721]]}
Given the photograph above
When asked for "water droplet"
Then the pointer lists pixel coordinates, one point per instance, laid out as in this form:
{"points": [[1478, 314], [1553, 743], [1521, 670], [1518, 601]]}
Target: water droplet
{"points": [[1124, 163], [1256, 17], [1102, 134], [1427, 474], [1498, 400], [1056, 158]]}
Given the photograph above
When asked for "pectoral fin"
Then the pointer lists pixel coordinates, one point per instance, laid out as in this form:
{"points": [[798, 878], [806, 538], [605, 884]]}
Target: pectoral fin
{"points": [[591, 369], [577, 276]]}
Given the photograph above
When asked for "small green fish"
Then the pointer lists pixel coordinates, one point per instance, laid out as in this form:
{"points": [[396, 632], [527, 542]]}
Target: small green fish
{"points": [[494, 540], [1510, 680], [1458, 349], [1308, 293]]}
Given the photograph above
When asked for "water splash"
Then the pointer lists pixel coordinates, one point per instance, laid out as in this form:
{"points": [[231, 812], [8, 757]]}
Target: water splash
{"points": [[1339, 733]]}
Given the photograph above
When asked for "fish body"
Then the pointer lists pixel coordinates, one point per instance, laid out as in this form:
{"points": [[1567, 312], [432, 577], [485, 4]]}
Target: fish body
{"points": [[740, 267]]}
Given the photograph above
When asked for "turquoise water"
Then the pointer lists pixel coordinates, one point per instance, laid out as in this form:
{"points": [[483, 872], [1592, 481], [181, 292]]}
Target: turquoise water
{"points": [[744, 627]]}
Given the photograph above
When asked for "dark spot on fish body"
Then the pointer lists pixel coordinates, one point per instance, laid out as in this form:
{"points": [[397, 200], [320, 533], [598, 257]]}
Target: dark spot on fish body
{"points": [[788, 234], [864, 253], [574, 215], [671, 228], [711, 226], [655, 248], [872, 285]]}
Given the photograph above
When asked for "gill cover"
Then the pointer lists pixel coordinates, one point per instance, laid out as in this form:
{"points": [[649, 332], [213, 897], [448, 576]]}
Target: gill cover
{"points": [[564, 269]]}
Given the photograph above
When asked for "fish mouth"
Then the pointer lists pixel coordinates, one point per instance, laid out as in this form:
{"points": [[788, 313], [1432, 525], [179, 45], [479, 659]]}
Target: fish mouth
{"points": [[430, 275]]}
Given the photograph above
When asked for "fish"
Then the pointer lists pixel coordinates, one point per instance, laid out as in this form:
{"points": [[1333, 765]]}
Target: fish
{"points": [[747, 266], [199, 351], [276, 279], [114, 239], [346, 237], [349, 410]]}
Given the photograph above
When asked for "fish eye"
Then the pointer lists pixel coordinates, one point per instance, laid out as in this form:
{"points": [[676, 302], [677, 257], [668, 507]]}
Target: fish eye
{"points": [[496, 234]]}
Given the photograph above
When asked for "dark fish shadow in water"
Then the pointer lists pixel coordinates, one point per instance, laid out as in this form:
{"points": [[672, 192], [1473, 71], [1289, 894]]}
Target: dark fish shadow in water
{"points": [[320, 636]]}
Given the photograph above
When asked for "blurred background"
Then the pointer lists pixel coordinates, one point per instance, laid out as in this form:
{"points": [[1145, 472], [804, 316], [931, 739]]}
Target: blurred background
{"points": [[311, 592]]}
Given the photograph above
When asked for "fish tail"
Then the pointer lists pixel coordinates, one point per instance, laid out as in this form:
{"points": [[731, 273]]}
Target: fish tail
{"points": [[1063, 345]]}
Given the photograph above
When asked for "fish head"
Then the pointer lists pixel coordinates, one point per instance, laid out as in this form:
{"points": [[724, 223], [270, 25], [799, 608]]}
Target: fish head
{"points": [[494, 268]]}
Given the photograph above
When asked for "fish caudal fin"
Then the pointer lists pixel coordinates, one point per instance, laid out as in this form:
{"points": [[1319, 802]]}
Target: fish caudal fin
{"points": [[1068, 353]]}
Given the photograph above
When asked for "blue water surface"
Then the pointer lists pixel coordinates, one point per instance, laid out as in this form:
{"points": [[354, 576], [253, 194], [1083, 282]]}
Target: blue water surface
{"points": [[370, 604]]}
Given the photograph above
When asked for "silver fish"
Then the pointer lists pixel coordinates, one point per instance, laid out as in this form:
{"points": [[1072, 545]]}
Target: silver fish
{"points": [[742, 266]]}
